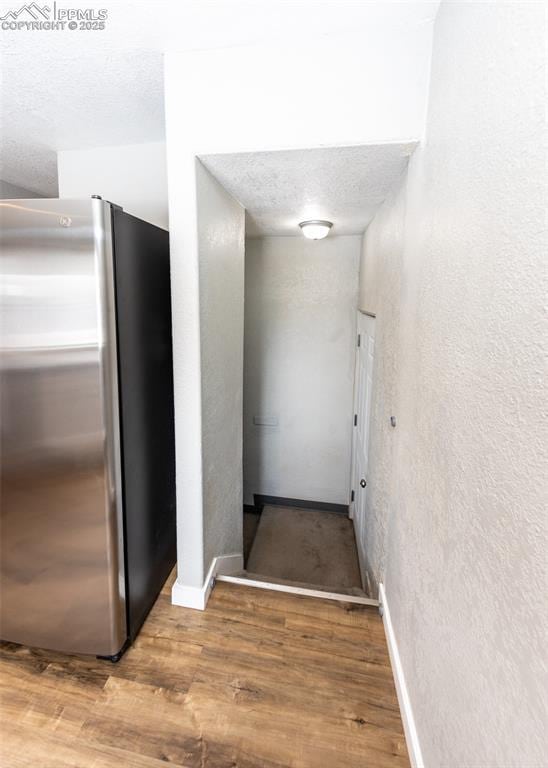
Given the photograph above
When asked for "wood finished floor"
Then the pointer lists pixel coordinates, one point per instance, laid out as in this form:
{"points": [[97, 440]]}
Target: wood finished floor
{"points": [[259, 680]]}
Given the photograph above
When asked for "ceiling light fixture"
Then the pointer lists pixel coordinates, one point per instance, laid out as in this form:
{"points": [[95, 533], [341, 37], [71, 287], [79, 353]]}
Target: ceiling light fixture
{"points": [[315, 229]]}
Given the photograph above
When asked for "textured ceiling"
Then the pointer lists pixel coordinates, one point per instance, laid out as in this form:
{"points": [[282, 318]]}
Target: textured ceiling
{"points": [[78, 89], [342, 184]]}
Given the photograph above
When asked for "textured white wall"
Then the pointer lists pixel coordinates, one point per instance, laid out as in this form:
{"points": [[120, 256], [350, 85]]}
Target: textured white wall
{"points": [[300, 324], [13, 192], [454, 267], [221, 226], [133, 176]]}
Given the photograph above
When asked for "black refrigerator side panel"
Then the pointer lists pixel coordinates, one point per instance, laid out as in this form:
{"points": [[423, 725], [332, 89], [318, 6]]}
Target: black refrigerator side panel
{"points": [[143, 307]]}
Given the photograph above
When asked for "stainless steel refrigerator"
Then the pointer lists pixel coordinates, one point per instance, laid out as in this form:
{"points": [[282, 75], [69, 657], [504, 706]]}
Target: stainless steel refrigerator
{"points": [[87, 446]]}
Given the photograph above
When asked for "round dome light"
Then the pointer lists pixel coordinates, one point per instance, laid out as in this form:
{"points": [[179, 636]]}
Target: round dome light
{"points": [[315, 229]]}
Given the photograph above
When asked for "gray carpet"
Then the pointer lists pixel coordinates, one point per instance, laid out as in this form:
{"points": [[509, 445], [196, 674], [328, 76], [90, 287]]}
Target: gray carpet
{"points": [[306, 546]]}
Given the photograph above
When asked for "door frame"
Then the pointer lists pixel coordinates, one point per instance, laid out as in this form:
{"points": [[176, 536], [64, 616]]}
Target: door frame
{"points": [[353, 480]]}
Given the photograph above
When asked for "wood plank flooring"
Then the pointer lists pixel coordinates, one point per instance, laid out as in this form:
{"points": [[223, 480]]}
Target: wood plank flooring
{"points": [[259, 680]]}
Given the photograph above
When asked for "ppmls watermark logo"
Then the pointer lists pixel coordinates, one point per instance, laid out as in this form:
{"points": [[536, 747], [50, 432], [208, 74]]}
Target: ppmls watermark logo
{"points": [[37, 17]]}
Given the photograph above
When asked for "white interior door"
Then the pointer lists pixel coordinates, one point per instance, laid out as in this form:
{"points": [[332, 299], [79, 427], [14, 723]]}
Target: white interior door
{"points": [[363, 385]]}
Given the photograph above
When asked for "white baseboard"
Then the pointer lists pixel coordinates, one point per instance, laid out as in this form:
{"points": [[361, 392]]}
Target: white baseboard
{"points": [[197, 597], [246, 581], [411, 735]]}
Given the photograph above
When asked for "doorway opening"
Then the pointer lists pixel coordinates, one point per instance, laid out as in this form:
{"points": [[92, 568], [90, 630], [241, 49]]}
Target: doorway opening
{"points": [[308, 362], [299, 356]]}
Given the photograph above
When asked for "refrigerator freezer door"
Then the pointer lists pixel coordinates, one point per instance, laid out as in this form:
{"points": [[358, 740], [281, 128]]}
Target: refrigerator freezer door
{"points": [[61, 567]]}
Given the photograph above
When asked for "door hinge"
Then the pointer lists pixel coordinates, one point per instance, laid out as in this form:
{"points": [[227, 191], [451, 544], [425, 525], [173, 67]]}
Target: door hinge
{"points": [[359, 339], [352, 496], [355, 419]]}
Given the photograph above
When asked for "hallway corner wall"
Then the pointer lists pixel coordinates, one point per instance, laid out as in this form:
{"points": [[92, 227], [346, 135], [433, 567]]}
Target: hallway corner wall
{"points": [[454, 267]]}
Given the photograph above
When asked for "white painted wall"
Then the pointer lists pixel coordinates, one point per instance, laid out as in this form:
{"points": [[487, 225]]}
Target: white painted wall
{"points": [[13, 192], [238, 99], [300, 333], [454, 267], [221, 227], [133, 176]]}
